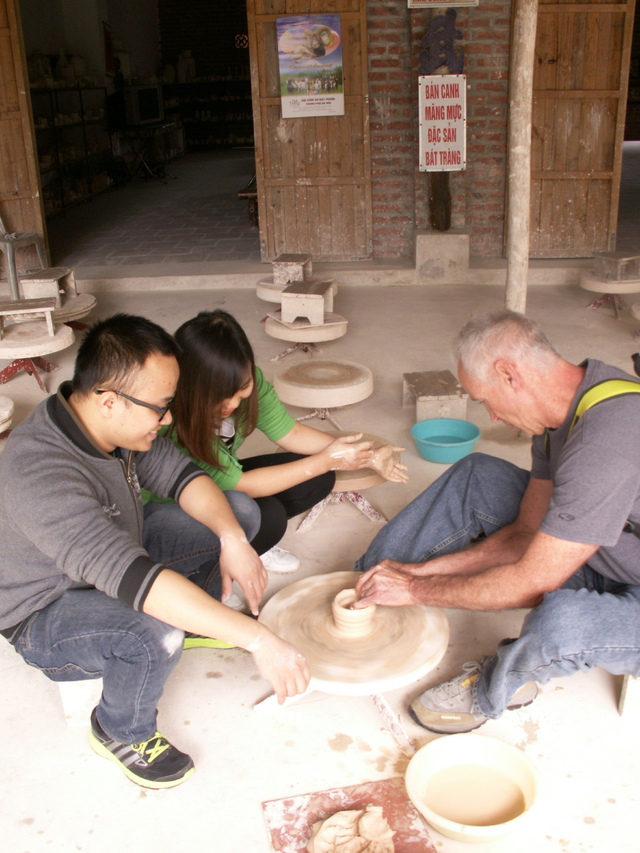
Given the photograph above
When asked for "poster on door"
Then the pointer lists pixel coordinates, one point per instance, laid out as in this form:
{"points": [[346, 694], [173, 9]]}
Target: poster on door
{"points": [[442, 106], [310, 64]]}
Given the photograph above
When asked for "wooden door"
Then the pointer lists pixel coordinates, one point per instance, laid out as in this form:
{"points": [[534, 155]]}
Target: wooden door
{"points": [[20, 196], [313, 174], [580, 92]]}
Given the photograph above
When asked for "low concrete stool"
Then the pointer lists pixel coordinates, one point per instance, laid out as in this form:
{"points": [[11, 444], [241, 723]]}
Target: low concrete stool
{"points": [[304, 335], [6, 414], [60, 283], [25, 309], [269, 291], [348, 486], [47, 282], [26, 342], [79, 698], [323, 385], [436, 394], [292, 267], [310, 300], [617, 266]]}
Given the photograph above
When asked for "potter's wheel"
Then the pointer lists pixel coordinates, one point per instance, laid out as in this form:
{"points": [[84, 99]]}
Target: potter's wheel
{"points": [[404, 644]]}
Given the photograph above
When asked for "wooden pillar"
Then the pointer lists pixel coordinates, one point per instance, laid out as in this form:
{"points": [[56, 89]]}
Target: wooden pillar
{"points": [[523, 41]]}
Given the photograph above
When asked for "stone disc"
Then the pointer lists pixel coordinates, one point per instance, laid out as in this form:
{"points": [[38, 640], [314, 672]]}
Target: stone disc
{"points": [[304, 333], [74, 307], [405, 642], [31, 338], [320, 383]]}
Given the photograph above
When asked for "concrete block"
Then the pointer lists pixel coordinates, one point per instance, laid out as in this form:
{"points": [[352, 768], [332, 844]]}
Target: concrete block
{"points": [[291, 267], [442, 257], [435, 393], [309, 299]]}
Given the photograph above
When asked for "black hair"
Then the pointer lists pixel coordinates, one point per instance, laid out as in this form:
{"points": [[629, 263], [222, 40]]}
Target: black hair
{"points": [[216, 360], [113, 351]]}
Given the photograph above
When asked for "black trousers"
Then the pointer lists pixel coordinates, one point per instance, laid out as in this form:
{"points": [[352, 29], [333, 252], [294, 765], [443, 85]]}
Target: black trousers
{"points": [[278, 508]]}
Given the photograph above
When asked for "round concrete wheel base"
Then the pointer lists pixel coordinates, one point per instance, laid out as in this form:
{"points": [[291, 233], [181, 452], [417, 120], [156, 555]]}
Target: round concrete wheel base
{"points": [[300, 332], [323, 384], [268, 290], [31, 339], [595, 284], [74, 307]]}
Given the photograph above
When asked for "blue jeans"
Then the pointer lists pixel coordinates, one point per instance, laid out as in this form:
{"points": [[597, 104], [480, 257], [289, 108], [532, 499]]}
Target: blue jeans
{"points": [[590, 621], [85, 634]]}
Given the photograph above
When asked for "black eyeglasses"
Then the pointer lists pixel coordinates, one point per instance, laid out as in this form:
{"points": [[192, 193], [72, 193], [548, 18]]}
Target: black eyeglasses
{"points": [[161, 410]]}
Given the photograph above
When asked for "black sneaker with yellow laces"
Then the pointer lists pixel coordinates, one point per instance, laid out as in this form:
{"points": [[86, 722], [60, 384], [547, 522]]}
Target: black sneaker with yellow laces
{"points": [[152, 763]]}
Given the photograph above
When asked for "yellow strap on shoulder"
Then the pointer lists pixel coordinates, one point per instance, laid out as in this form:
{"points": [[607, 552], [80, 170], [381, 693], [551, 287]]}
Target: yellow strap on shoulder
{"points": [[603, 391]]}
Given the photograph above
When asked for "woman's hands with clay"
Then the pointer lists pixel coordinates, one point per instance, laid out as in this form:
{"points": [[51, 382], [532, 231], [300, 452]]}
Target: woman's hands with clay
{"points": [[281, 664], [388, 583], [386, 461], [349, 453], [239, 561]]}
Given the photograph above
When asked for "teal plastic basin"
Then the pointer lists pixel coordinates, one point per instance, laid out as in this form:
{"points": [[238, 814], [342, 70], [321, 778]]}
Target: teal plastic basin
{"points": [[444, 440]]}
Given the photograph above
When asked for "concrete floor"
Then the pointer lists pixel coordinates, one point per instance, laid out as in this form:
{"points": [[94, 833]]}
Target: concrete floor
{"points": [[57, 796]]}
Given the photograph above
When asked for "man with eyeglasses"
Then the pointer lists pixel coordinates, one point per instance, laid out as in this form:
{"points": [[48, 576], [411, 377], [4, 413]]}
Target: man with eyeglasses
{"points": [[84, 591]]}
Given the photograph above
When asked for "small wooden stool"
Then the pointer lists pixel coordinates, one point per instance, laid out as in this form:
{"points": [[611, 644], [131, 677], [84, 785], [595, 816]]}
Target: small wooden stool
{"points": [[435, 393], [307, 299], [27, 308], [48, 282], [292, 267]]}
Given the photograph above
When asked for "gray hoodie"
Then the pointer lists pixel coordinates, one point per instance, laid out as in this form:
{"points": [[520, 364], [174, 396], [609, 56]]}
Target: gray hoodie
{"points": [[71, 514]]}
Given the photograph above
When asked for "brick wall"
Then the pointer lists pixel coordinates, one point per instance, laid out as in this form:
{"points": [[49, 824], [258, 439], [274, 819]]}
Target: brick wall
{"points": [[400, 191]]}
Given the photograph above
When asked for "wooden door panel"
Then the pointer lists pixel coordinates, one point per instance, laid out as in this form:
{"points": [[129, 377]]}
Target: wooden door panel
{"points": [[580, 87], [20, 197], [313, 174]]}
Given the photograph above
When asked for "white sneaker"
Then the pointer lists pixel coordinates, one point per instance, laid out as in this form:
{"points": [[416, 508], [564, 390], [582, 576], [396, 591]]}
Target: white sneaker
{"points": [[279, 561]]}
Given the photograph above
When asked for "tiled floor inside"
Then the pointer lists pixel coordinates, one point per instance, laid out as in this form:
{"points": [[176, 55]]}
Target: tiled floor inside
{"points": [[193, 217], [57, 796]]}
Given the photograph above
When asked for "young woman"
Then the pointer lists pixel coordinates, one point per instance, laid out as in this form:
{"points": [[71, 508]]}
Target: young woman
{"points": [[222, 397]]}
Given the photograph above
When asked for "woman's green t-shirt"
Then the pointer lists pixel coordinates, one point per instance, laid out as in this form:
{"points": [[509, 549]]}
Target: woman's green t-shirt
{"points": [[273, 420]]}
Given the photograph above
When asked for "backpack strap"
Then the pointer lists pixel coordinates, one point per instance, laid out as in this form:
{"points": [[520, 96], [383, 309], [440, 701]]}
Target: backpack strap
{"points": [[603, 391], [597, 394]]}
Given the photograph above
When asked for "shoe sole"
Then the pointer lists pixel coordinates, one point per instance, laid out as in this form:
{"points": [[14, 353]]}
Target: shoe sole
{"points": [[463, 727], [99, 748]]}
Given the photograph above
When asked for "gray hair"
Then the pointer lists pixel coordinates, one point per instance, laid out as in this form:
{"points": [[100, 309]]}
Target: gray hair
{"points": [[501, 334]]}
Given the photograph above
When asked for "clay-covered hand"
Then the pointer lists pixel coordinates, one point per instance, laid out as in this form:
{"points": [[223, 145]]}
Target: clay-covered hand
{"points": [[386, 583], [349, 453], [386, 461], [281, 664], [238, 561]]}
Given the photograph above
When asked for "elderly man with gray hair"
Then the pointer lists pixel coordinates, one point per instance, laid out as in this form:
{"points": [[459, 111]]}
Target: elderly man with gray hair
{"points": [[559, 539]]}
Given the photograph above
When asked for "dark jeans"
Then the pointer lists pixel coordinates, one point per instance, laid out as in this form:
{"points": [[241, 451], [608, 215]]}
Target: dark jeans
{"points": [[277, 509]]}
